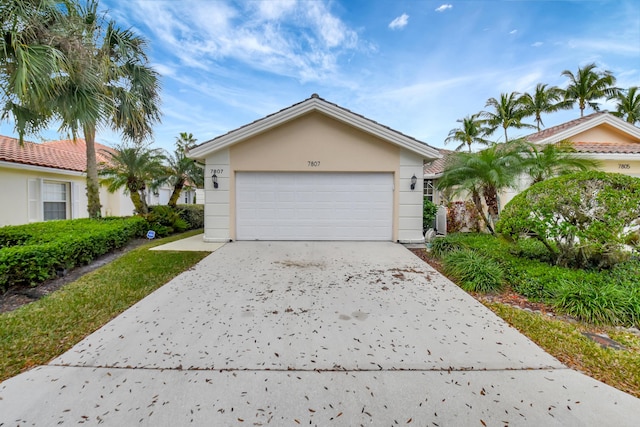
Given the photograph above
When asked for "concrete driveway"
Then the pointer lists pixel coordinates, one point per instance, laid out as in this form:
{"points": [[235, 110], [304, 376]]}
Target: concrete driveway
{"points": [[310, 333]]}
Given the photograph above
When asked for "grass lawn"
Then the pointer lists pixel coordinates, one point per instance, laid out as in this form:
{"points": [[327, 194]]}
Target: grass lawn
{"points": [[38, 332], [564, 340]]}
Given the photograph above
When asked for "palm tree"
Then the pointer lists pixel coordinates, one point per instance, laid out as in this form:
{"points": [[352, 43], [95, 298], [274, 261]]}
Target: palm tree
{"points": [[628, 106], [109, 83], [589, 85], [134, 168], [507, 112], [181, 169], [471, 131], [544, 100], [555, 159], [485, 173], [98, 75], [30, 36]]}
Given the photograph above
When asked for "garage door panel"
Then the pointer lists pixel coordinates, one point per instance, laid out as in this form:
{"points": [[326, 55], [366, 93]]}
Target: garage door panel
{"points": [[314, 206]]}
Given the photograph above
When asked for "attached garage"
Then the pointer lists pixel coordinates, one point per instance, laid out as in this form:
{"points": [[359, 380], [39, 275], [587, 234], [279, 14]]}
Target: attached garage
{"points": [[314, 206], [313, 171]]}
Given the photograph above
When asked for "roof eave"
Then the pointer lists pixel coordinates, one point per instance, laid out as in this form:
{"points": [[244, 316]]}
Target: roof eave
{"points": [[307, 106], [589, 124]]}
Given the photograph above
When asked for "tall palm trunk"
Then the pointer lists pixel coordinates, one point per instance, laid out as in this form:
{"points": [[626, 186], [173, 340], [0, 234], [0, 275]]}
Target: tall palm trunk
{"points": [[477, 201], [491, 199], [93, 188], [177, 188]]}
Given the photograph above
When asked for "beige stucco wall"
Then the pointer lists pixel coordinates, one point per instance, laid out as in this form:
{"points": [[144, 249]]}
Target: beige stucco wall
{"points": [[14, 189], [603, 133], [14, 194], [410, 202], [312, 143], [622, 165]]}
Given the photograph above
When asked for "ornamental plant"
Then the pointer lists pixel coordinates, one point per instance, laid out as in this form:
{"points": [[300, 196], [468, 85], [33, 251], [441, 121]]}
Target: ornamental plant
{"points": [[586, 219]]}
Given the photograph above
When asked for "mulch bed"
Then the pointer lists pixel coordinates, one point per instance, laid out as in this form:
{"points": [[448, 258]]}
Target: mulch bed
{"points": [[17, 296]]}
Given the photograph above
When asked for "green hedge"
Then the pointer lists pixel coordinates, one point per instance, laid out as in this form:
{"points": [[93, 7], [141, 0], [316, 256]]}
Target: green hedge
{"points": [[596, 296], [33, 253]]}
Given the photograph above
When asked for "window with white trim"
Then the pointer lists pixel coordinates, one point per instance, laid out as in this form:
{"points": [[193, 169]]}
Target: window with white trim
{"points": [[429, 192], [55, 200]]}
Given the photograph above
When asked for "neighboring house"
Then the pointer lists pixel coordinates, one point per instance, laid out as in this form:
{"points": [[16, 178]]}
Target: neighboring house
{"points": [[601, 136], [612, 141], [46, 181], [313, 171]]}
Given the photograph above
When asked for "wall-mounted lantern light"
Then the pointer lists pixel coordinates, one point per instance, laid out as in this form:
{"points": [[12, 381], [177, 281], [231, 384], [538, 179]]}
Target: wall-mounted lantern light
{"points": [[214, 178], [414, 180]]}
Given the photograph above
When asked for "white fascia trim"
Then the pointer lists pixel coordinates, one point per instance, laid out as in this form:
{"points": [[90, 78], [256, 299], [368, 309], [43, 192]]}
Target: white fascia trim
{"points": [[307, 106], [432, 176], [610, 156], [597, 120], [21, 166]]}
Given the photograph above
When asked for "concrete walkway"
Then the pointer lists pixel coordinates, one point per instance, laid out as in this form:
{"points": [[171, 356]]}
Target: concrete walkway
{"points": [[190, 244], [296, 333]]}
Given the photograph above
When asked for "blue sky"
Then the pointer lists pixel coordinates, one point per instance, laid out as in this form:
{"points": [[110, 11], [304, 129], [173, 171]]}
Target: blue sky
{"points": [[413, 65]]}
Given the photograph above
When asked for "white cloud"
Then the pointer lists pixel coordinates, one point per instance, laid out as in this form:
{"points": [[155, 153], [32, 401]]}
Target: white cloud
{"points": [[443, 7], [513, 31], [537, 44], [400, 22], [295, 39]]}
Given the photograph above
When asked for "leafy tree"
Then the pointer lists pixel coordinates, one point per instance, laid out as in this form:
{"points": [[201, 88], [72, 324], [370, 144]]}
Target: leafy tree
{"points": [[552, 160], [181, 169], [101, 77], [587, 86], [472, 131], [628, 105], [508, 111], [485, 174], [544, 99], [133, 168], [583, 219]]}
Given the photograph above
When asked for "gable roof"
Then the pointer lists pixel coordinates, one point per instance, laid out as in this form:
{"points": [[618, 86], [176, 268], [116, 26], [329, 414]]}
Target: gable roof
{"points": [[568, 129], [314, 103], [66, 155]]}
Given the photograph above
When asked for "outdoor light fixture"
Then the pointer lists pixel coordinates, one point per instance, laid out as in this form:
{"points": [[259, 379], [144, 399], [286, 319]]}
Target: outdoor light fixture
{"points": [[214, 178], [413, 181]]}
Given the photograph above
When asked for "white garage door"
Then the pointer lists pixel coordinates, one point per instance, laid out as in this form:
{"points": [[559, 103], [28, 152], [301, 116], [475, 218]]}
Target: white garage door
{"points": [[314, 206]]}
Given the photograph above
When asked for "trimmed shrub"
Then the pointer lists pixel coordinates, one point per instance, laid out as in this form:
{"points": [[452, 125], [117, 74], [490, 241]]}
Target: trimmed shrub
{"points": [[584, 219], [49, 248], [429, 212], [474, 271], [192, 214], [164, 220]]}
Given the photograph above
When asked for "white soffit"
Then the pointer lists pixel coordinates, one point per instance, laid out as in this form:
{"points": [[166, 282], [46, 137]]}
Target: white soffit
{"points": [[310, 105]]}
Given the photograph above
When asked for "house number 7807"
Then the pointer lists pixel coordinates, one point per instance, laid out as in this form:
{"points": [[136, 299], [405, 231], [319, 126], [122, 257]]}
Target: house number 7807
{"points": [[217, 171], [313, 163]]}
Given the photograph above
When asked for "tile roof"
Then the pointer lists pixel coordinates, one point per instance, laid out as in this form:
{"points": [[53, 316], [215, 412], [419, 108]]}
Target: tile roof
{"points": [[607, 147], [546, 133], [65, 154], [436, 167]]}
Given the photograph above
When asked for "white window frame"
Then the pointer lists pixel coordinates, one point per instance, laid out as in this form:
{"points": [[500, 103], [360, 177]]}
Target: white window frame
{"points": [[429, 190], [67, 197]]}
